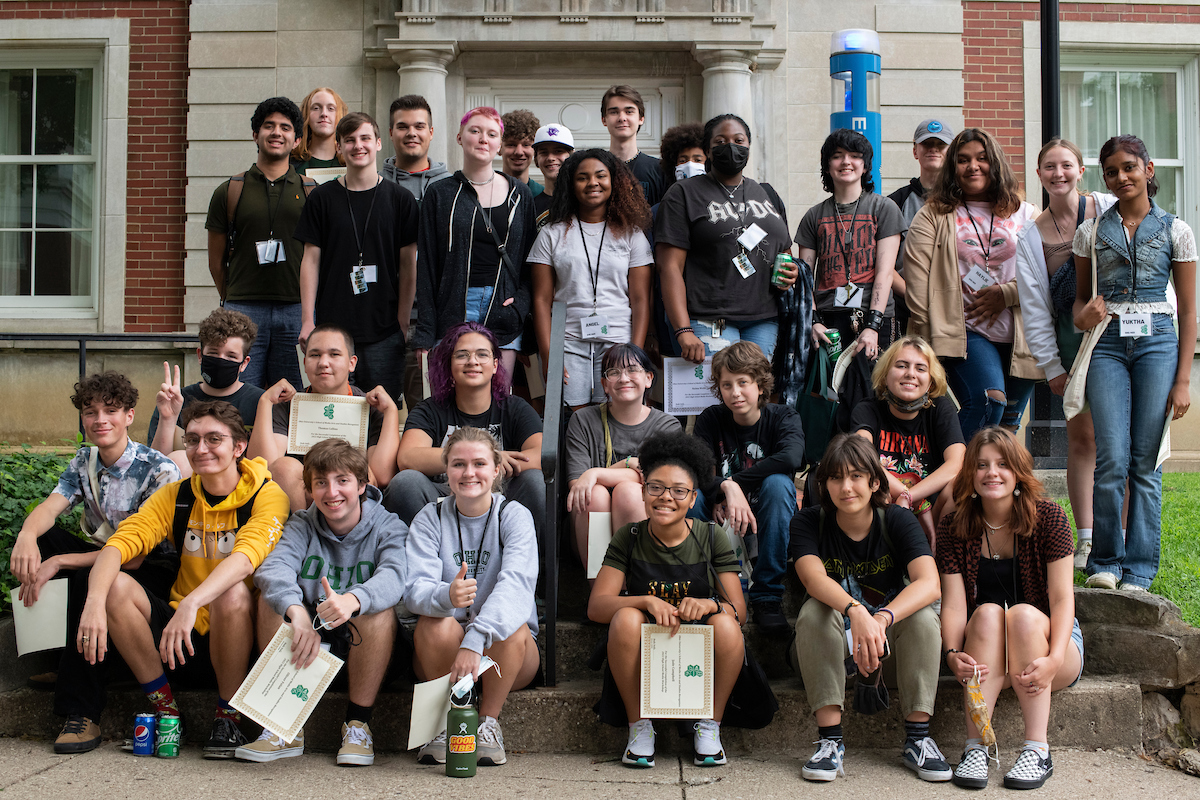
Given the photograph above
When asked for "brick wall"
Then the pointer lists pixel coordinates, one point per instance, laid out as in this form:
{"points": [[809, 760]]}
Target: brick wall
{"points": [[992, 70], [158, 59]]}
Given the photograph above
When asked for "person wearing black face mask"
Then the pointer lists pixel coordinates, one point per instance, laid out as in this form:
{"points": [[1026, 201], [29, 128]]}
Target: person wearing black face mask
{"points": [[225, 340], [723, 230]]}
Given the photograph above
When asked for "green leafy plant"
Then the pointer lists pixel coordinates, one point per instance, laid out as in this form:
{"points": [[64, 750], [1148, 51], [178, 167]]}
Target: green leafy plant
{"points": [[26, 478]]}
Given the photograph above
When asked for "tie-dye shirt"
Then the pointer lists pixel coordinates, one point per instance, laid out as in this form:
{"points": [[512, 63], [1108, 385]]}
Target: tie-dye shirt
{"points": [[124, 486]]}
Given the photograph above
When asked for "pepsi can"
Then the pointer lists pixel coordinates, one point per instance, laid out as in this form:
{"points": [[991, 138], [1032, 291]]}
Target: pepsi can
{"points": [[144, 728]]}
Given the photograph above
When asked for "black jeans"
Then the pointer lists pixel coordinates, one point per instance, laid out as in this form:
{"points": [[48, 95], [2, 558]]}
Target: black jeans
{"points": [[381, 364]]}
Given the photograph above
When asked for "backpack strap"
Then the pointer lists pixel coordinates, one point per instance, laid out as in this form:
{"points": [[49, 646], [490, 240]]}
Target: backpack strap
{"points": [[233, 196], [309, 184], [185, 498]]}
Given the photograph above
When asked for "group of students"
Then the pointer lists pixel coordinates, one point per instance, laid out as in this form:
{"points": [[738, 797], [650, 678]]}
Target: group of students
{"points": [[445, 520]]}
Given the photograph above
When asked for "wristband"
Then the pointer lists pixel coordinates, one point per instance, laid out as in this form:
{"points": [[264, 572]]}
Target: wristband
{"points": [[948, 652], [874, 320], [627, 462], [688, 329], [850, 605], [891, 616]]}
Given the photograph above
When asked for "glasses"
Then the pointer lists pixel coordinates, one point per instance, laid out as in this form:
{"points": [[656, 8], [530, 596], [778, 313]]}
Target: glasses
{"points": [[463, 356], [631, 371], [677, 492], [191, 441]]}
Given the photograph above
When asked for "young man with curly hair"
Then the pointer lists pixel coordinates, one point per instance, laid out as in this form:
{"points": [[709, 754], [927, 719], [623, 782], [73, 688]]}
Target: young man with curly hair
{"points": [[224, 353], [112, 476], [516, 146]]}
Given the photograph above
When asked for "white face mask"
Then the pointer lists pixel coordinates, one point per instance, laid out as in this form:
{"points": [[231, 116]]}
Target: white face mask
{"points": [[688, 169]]}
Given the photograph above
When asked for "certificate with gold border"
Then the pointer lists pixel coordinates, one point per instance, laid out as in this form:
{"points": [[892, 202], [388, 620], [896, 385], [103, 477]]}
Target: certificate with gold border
{"points": [[317, 417], [677, 672], [279, 695], [325, 174]]}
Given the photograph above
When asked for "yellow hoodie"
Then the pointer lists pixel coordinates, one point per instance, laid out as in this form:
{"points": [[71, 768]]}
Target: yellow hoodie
{"points": [[212, 533]]}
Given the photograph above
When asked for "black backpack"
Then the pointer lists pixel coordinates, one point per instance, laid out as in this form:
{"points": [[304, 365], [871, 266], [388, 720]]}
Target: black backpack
{"points": [[186, 498]]}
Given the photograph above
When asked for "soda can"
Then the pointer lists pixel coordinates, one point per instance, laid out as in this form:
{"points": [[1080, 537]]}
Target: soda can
{"points": [[782, 261], [144, 729], [835, 344], [166, 742]]}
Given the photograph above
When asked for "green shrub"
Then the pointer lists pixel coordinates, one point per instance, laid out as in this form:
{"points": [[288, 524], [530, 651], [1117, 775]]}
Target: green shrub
{"points": [[26, 478]]}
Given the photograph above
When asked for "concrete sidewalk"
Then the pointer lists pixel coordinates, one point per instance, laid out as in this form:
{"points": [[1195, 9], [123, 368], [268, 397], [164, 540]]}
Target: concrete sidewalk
{"points": [[30, 769]]}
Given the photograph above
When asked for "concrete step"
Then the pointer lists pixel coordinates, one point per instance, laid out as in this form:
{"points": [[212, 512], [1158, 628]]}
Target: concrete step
{"points": [[1097, 713]]}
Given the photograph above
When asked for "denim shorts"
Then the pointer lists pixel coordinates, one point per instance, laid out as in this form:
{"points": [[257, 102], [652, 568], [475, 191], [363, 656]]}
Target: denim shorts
{"points": [[478, 298], [1077, 640]]}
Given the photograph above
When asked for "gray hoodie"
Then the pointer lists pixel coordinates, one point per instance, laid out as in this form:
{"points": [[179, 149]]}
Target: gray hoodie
{"points": [[368, 562], [506, 572], [415, 182]]}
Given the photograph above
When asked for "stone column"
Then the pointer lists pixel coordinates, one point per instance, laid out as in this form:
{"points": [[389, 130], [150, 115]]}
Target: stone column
{"points": [[726, 79], [423, 71]]}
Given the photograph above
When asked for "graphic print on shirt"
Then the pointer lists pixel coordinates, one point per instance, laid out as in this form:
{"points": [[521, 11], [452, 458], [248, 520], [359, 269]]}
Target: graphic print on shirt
{"points": [[744, 214], [904, 457], [315, 567], [833, 252], [493, 428], [745, 456]]}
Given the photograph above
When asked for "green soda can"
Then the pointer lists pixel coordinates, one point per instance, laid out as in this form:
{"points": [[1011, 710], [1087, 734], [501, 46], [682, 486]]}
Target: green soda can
{"points": [[834, 348], [166, 741], [462, 724], [782, 261]]}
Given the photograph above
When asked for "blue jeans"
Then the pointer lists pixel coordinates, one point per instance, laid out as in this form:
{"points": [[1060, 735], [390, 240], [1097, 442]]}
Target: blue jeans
{"points": [[477, 306], [763, 333], [1128, 382], [773, 512], [273, 354], [986, 368]]}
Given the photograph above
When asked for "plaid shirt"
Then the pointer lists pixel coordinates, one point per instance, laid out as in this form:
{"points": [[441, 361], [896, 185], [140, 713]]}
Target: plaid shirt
{"points": [[124, 486]]}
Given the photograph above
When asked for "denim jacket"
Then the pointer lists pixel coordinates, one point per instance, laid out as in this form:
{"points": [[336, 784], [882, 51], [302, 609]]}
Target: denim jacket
{"points": [[1116, 275]]}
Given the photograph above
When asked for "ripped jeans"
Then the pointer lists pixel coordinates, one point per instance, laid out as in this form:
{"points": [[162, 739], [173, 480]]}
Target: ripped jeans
{"points": [[987, 394], [763, 332]]}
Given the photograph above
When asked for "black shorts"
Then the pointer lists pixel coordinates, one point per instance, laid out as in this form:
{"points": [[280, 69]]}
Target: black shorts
{"points": [[196, 672]]}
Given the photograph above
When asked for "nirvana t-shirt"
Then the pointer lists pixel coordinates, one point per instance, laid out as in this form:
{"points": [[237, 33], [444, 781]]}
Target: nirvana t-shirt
{"points": [[245, 400], [909, 448], [706, 218], [990, 242], [878, 570], [844, 237], [585, 438], [384, 229], [670, 573], [510, 424], [749, 453], [281, 413], [649, 174]]}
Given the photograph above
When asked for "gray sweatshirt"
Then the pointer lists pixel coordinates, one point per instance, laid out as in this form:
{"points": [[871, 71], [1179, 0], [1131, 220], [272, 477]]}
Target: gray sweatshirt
{"points": [[503, 561], [415, 182], [368, 562]]}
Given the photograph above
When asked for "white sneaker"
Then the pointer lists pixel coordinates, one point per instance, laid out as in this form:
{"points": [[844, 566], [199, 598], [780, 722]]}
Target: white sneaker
{"points": [[707, 744], [639, 752], [433, 751], [489, 743], [270, 747], [1082, 551], [1101, 580], [1129, 586]]}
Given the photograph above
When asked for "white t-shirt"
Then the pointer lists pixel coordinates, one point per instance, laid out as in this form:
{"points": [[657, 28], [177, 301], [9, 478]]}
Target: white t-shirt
{"points": [[562, 248]]}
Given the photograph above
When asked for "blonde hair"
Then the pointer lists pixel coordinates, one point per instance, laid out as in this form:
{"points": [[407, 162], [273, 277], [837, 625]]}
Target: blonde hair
{"points": [[474, 435], [937, 374], [1070, 147], [303, 149]]}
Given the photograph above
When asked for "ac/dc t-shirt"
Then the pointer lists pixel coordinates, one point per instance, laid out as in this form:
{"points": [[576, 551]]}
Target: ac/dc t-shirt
{"points": [[909, 448], [706, 218], [879, 570], [844, 237], [510, 424]]}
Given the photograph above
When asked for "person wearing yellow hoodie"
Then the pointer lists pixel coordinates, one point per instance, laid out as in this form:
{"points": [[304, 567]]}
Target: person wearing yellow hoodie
{"points": [[234, 515]]}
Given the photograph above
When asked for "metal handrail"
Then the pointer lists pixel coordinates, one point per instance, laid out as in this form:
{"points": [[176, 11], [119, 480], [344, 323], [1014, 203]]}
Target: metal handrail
{"points": [[551, 438]]}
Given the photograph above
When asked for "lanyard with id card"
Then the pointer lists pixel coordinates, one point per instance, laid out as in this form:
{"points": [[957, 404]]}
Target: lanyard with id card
{"points": [[271, 250], [594, 326], [362, 275], [748, 240]]}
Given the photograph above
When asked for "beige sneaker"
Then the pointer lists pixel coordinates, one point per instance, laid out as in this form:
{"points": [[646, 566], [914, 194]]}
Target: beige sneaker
{"points": [[79, 735], [270, 747], [358, 749], [490, 744], [433, 751]]}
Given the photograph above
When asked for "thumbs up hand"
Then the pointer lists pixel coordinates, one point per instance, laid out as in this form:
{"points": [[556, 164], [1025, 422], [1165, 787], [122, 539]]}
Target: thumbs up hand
{"points": [[462, 589], [337, 608]]}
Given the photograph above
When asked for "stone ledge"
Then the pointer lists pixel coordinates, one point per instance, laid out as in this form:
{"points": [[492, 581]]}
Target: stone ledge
{"points": [[1139, 637]]}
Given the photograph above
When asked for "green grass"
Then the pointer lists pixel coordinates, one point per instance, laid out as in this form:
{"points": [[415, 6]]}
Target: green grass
{"points": [[1178, 577]]}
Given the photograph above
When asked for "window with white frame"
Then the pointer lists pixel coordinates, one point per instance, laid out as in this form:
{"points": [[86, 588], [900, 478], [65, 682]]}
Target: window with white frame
{"points": [[49, 186], [1100, 103]]}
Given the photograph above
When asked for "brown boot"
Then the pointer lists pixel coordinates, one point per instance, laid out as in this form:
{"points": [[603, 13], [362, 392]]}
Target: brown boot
{"points": [[79, 735]]}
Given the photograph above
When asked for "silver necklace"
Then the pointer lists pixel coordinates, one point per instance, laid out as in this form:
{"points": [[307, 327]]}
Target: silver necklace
{"points": [[483, 183]]}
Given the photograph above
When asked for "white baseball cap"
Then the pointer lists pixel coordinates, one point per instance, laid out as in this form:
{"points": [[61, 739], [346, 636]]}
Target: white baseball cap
{"points": [[555, 133]]}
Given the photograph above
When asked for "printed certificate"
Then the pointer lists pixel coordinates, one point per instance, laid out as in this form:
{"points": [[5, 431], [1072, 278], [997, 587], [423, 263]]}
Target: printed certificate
{"points": [[42, 626], [687, 386], [677, 672], [280, 696], [317, 417], [325, 174]]}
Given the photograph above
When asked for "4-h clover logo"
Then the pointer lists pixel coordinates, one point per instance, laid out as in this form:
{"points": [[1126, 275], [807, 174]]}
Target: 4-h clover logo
{"points": [[604, 330], [699, 370], [301, 692], [693, 671], [329, 411]]}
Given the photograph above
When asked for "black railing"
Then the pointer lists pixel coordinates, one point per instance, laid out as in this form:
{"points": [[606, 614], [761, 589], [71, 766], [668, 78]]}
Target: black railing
{"points": [[551, 439]]}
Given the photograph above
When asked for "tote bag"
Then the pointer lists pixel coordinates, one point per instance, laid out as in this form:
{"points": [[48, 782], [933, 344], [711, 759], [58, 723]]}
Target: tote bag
{"points": [[1075, 395]]}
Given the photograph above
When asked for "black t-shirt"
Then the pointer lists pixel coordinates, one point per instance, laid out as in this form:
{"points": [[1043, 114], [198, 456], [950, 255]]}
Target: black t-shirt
{"points": [[541, 209], [485, 257], [326, 223], [281, 413], [699, 215], [245, 400], [510, 424], [910, 448], [749, 453], [877, 569], [649, 174]]}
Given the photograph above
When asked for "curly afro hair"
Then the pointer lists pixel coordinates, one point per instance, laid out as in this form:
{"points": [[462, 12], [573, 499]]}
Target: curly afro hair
{"points": [[675, 141], [520, 125], [224, 324], [111, 388], [677, 450], [627, 207]]}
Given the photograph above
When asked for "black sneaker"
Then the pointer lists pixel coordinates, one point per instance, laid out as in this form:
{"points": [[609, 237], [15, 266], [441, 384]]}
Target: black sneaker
{"points": [[225, 739], [768, 616], [1030, 771], [923, 757]]}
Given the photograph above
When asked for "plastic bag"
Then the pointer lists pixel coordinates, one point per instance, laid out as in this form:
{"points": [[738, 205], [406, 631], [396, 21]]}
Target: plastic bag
{"points": [[980, 715]]}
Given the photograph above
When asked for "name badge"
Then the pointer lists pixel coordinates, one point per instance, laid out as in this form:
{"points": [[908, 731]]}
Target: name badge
{"points": [[978, 278], [595, 327], [1134, 325], [743, 265], [361, 276], [270, 251], [752, 236], [848, 296]]}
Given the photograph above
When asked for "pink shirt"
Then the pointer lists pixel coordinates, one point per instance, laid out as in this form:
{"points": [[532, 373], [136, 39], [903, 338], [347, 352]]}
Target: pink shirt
{"points": [[990, 243]]}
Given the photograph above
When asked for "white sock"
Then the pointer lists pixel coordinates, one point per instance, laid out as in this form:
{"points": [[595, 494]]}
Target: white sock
{"points": [[493, 719], [1041, 748], [1085, 534], [973, 743]]}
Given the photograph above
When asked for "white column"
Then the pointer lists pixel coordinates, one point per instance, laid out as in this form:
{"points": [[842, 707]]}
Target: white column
{"points": [[423, 71], [726, 80]]}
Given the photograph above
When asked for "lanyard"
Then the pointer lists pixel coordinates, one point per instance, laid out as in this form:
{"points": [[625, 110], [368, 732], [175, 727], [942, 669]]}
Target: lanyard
{"points": [[462, 549], [987, 251], [846, 239], [366, 223], [595, 276], [267, 184]]}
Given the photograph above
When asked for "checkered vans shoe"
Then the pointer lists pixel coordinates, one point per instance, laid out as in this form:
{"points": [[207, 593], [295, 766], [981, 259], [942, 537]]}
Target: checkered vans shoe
{"points": [[1030, 771], [972, 769]]}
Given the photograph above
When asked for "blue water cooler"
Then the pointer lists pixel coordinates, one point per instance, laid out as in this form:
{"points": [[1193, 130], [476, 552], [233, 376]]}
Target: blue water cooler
{"points": [[854, 67]]}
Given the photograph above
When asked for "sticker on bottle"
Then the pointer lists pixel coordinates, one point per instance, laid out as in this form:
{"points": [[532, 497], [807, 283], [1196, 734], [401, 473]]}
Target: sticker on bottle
{"points": [[1135, 325]]}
